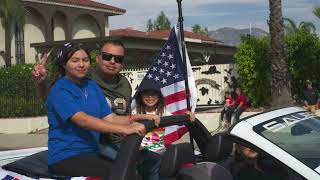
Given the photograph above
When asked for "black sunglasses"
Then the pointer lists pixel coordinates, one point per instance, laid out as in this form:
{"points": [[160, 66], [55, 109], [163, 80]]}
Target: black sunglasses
{"points": [[107, 57]]}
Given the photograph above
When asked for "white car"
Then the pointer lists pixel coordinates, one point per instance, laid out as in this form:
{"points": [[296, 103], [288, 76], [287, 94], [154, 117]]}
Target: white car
{"points": [[289, 135]]}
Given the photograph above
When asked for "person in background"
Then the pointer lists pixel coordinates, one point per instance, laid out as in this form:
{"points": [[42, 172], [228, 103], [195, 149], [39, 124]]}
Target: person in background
{"points": [[311, 97], [77, 113], [241, 104], [228, 109]]}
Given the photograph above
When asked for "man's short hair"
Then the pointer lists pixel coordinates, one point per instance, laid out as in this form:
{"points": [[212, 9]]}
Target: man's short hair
{"points": [[114, 42]]}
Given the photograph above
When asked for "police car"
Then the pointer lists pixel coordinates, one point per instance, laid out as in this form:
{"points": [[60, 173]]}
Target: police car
{"points": [[290, 136]]}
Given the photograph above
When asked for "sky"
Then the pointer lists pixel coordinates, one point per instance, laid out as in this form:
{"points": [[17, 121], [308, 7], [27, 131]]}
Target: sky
{"points": [[212, 14]]}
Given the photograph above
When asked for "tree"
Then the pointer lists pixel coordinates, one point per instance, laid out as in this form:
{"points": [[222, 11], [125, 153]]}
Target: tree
{"points": [[161, 23], [280, 83], [316, 11], [150, 26], [291, 27], [198, 30], [254, 66], [13, 15], [303, 61]]}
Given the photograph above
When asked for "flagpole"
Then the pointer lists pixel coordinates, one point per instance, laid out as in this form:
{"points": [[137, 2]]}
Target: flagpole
{"points": [[184, 54], [184, 60]]}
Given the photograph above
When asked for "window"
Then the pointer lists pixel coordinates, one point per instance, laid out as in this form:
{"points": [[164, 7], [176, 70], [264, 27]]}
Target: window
{"points": [[19, 34]]}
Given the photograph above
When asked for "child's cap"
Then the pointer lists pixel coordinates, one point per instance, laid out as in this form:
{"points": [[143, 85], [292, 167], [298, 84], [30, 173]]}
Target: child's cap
{"points": [[148, 84]]}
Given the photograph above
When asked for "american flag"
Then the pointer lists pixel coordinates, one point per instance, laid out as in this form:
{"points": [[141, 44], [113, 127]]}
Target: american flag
{"points": [[15, 176], [168, 71]]}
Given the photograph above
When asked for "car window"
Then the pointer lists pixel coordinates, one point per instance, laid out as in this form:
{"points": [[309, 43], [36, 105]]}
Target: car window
{"points": [[297, 134]]}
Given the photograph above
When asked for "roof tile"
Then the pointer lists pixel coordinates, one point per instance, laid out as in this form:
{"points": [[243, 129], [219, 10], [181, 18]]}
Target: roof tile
{"points": [[94, 4], [161, 34]]}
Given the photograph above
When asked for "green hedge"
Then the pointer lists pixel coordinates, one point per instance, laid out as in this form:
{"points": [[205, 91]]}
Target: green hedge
{"points": [[18, 97]]}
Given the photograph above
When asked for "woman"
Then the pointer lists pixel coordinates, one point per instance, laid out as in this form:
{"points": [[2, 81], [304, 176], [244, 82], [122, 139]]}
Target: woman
{"points": [[77, 112]]}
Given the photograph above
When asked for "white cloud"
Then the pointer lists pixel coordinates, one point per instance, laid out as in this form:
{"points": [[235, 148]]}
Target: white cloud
{"points": [[139, 11]]}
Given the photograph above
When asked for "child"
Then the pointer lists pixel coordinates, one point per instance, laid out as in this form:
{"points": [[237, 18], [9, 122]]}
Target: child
{"points": [[149, 100], [228, 108]]}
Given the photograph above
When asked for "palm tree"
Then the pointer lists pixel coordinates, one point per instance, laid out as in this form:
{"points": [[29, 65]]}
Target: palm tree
{"points": [[13, 14], [196, 28], [316, 11], [292, 28], [281, 94]]}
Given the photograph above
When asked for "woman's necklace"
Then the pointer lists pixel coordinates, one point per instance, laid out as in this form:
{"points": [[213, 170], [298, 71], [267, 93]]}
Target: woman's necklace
{"points": [[85, 93]]}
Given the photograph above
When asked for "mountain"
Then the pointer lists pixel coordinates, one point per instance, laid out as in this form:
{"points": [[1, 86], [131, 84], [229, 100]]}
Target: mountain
{"points": [[232, 36]]}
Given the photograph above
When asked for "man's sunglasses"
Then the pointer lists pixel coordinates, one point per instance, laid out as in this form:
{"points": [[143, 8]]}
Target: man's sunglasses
{"points": [[107, 57]]}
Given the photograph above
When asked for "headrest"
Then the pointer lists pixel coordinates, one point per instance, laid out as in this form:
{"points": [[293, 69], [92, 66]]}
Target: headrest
{"points": [[218, 148], [174, 157], [204, 171]]}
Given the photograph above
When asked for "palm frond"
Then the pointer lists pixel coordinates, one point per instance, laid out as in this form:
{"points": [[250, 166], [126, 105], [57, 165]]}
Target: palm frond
{"points": [[290, 26], [316, 11], [307, 26]]}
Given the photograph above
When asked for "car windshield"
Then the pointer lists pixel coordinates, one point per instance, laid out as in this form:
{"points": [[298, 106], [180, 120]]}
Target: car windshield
{"points": [[297, 134]]}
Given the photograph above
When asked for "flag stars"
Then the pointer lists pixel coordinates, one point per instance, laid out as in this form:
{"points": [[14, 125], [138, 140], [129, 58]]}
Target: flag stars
{"points": [[166, 64], [170, 56], [150, 76], [154, 68], [168, 47], [164, 81], [176, 76], [163, 55], [173, 66], [168, 73], [161, 71], [159, 61], [157, 78]]}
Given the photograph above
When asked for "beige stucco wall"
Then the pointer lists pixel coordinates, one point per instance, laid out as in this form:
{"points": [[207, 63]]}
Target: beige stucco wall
{"points": [[23, 125], [85, 27], [59, 32], [34, 31], [1, 43]]}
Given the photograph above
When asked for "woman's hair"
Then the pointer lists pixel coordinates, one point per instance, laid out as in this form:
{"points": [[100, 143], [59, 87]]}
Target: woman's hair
{"points": [[65, 53], [160, 106]]}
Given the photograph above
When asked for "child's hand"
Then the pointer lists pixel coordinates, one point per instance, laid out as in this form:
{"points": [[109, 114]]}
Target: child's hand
{"points": [[192, 116]]}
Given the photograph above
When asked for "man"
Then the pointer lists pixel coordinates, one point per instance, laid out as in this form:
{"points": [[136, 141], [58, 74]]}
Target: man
{"points": [[116, 88], [311, 97], [241, 103]]}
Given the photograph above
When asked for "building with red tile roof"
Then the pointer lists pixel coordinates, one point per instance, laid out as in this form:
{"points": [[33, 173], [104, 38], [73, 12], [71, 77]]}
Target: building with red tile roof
{"points": [[162, 34], [57, 20]]}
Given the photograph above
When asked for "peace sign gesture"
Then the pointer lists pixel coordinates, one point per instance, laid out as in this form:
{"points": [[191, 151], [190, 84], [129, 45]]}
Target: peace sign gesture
{"points": [[39, 72]]}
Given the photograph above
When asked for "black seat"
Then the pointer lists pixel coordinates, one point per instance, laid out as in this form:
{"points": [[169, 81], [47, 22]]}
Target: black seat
{"points": [[174, 158], [34, 166], [204, 171], [219, 150]]}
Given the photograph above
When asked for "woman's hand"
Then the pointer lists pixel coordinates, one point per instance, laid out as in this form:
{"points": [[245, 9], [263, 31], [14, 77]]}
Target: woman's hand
{"points": [[150, 117], [135, 127], [39, 72]]}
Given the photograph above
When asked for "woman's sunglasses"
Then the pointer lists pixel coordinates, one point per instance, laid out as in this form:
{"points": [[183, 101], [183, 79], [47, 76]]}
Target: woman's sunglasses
{"points": [[107, 57]]}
